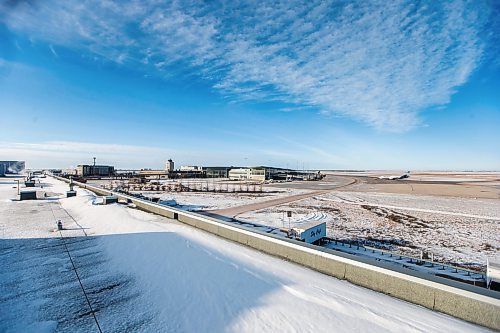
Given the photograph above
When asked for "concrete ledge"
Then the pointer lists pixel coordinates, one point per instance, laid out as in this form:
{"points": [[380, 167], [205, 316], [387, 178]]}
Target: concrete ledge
{"points": [[329, 267], [483, 312], [470, 303], [391, 285]]}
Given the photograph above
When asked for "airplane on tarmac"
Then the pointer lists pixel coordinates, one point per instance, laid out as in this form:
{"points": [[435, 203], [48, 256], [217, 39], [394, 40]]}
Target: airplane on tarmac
{"points": [[404, 176]]}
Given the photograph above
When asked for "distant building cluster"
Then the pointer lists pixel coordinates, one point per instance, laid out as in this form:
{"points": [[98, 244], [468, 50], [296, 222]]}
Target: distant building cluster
{"points": [[11, 167], [258, 173]]}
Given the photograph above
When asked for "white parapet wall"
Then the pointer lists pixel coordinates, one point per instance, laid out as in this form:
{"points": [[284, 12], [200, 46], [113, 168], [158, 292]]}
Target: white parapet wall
{"points": [[470, 303]]}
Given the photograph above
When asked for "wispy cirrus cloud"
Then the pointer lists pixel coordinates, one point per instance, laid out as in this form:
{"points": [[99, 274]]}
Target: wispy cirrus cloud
{"points": [[378, 62], [70, 153], [60, 152]]}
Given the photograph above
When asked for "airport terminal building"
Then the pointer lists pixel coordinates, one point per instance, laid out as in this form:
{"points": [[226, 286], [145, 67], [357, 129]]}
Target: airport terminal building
{"points": [[259, 173]]}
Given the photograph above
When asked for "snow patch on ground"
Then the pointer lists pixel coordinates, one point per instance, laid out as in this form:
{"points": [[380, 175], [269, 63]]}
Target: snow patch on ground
{"points": [[457, 231]]}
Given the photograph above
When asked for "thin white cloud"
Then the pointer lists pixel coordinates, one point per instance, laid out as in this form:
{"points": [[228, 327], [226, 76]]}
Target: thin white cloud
{"points": [[53, 51], [60, 153], [84, 147], [315, 150], [380, 62], [71, 153]]}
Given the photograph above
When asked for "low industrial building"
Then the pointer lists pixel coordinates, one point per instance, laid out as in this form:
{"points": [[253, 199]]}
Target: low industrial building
{"points": [[262, 173], [190, 168], [152, 174], [216, 172], [11, 167], [239, 174], [257, 174], [95, 170], [186, 174]]}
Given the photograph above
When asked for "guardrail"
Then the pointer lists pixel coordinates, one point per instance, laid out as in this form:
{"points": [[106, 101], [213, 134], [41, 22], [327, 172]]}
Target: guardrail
{"points": [[477, 305]]}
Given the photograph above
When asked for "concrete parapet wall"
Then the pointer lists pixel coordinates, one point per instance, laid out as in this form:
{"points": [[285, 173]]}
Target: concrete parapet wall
{"points": [[473, 304], [402, 288], [477, 309]]}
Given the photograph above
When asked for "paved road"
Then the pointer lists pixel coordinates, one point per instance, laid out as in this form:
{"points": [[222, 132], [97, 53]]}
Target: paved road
{"points": [[326, 186], [233, 211]]}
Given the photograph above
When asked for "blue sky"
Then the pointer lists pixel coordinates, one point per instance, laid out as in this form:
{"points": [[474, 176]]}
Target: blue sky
{"points": [[334, 85]]}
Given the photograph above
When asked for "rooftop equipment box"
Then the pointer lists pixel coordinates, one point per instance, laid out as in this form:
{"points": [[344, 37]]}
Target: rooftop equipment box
{"points": [[109, 200], [29, 183], [310, 232], [27, 195]]}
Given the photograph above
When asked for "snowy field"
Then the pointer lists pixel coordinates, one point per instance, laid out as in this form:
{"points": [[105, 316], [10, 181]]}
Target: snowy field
{"points": [[426, 176], [194, 201], [145, 273], [211, 201], [456, 230]]}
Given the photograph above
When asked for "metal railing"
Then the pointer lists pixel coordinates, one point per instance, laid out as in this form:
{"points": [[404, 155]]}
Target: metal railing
{"points": [[412, 259]]}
